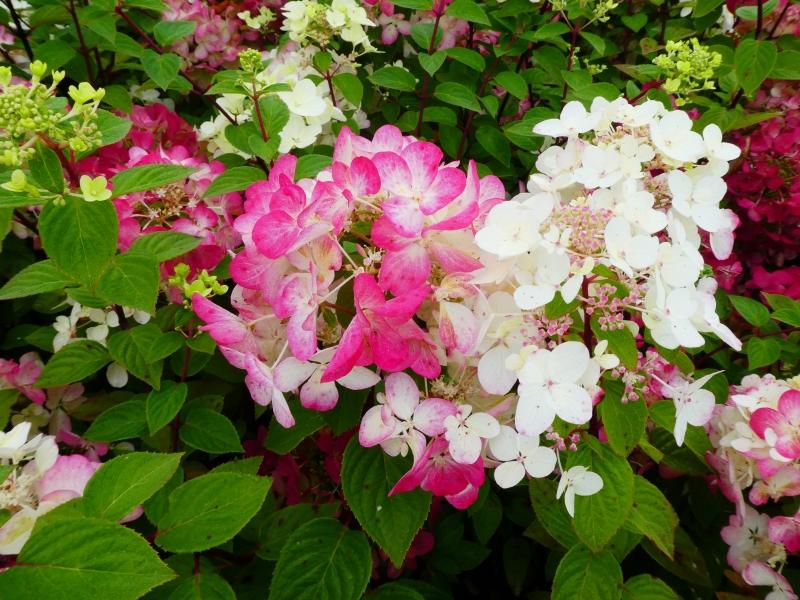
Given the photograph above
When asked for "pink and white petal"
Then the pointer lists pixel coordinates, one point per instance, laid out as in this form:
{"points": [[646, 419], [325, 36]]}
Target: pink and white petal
{"points": [[465, 498], [540, 462], [386, 236], [394, 172], [483, 424], [317, 395], [301, 332], [449, 183], [404, 270], [416, 442], [291, 373], [767, 418], [402, 395], [423, 160], [429, 416], [69, 474], [572, 403], [535, 411], [789, 405], [360, 378], [350, 348], [504, 446], [364, 177], [453, 260], [465, 446], [373, 429], [275, 233], [786, 531], [493, 375], [509, 474], [258, 380], [458, 327], [404, 215]]}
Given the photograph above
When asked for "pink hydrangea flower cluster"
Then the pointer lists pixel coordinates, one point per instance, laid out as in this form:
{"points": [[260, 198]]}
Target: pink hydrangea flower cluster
{"points": [[765, 192], [159, 136], [756, 440]]}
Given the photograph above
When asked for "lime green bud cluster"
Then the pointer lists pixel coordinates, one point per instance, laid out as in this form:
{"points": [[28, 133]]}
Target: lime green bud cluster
{"points": [[688, 66], [601, 9], [33, 112], [204, 283], [250, 60]]}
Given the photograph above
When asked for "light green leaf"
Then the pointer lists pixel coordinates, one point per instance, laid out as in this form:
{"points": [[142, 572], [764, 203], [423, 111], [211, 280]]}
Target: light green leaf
{"points": [[624, 423], [120, 422], [471, 58], [38, 278], [161, 68], [322, 560], [131, 280], [431, 62], [126, 481], [163, 405], [647, 587], [582, 575], [209, 510], [148, 177], [751, 310], [762, 352], [202, 586], [164, 245], [392, 521], [46, 169], [234, 180], [350, 86], [112, 128], [275, 114], [210, 431], [84, 558], [514, 84], [753, 62], [620, 343], [72, 363], [653, 516], [80, 237], [394, 78], [469, 11], [310, 164], [169, 32]]}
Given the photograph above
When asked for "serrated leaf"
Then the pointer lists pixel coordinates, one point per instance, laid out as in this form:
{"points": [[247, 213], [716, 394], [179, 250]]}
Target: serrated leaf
{"points": [[84, 558], [469, 11], [751, 310], [274, 532], [132, 281], [126, 481], [74, 362], [394, 78], [274, 113], [147, 177], [233, 180], [513, 83], [392, 521], [161, 68], [210, 431], [202, 586], [310, 165], [38, 278], [624, 423], [620, 343], [647, 587], [46, 169], [322, 560], [653, 516], [132, 347], [495, 143], [350, 86], [468, 57], [431, 62], [164, 245], [762, 352], [120, 422], [169, 32], [753, 62], [457, 94], [282, 440], [582, 575], [551, 513], [209, 510], [79, 237], [163, 405], [598, 517]]}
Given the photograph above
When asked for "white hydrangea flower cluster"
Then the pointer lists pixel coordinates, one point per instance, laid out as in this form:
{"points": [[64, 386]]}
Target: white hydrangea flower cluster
{"points": [[312, 111], [629, 196], [311, 21]]}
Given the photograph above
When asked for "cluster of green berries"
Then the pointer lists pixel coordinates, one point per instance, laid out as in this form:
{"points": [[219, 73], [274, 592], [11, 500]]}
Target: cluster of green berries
{"points": [[204, 283]]}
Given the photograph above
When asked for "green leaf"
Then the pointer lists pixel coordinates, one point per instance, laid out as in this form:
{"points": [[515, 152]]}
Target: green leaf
{"points": [[84, 558], [751, 310], [16, 200], [663, 414], [469, 11], [163, 405], [322, 560], [202, 586], [131, 280], [431, 62], [467, 57], [598, 517], [210, 431], [597, 42], [753, 62], [457, 94], [209, 510], [637, 21], [647, 587], [513, 83], [653, 516], [704, 7], [120, 422], [620, 342], [310, 164], [624, 423], [132, 347], [762, 352], [112, 128], [46, 169], [274, 532], [126, 481], [233, 180], [549, 31], [392, 521], [787, 65], [551, 513], [80, 237], [147, 177], [350, 86], [38, 278], [161, 68], [169, 32], [164, 245], [282, 440], [73, 362], [394, 78], [395, 590], [750, 13], [582, 575], [495, 143], [415, 4], [688, 564], [275, 114]]}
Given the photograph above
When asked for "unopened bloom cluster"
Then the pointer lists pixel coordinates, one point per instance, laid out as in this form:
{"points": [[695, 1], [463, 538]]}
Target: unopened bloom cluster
{"points": [[688, 66]]}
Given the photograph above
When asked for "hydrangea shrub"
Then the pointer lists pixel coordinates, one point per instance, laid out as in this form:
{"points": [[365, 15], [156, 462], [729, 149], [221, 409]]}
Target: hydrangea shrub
{"points": [[415, 299]]}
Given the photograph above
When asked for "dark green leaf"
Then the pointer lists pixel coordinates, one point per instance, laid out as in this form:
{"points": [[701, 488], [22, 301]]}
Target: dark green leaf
{"points": [[148, 177], [73, 362], [210, 431]]}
